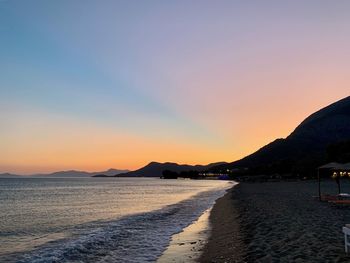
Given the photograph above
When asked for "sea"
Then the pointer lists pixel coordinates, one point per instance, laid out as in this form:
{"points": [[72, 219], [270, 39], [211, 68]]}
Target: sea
{"points": [[97, 219]]}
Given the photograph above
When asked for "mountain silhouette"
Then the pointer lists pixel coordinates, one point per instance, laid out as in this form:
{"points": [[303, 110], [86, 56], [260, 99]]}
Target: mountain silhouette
{"points": [[9, 175], [155, 169], [306, 146], [70, 173]]}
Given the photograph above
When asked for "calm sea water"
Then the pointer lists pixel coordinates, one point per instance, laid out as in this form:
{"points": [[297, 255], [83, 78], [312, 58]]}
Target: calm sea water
{"points": [[97, 219]]}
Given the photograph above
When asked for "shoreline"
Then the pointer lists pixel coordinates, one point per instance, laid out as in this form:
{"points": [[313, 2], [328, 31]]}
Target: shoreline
{"points": [[187, 246], [276, 222], [225, 242]]}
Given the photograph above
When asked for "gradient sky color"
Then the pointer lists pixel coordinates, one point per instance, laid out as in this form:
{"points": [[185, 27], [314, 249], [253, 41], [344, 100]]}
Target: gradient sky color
{"points": [[91, 85]]}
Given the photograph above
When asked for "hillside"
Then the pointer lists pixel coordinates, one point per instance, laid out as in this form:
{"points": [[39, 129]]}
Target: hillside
{"points": [[155, 169], [73, 173], [70, 173], [305, 147]]}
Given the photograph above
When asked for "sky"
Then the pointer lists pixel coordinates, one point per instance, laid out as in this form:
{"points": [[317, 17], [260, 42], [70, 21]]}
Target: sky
{"points": [[91, 85]]}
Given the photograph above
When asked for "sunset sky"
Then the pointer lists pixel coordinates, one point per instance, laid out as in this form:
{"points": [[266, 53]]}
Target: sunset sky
{"points": [[91, 85]]}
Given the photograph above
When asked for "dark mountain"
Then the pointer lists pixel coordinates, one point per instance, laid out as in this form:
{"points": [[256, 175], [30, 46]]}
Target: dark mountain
{"points": [[71, 173], [305, 147], [155, 169]]}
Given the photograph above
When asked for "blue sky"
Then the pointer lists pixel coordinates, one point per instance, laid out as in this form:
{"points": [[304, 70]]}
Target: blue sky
{"points": [[189, 81]]}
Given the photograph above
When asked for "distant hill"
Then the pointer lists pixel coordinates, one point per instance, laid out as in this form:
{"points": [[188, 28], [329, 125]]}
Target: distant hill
{"points": [[305, 147], [70, 173], [73, 173], [155, 169], [8, 175]]}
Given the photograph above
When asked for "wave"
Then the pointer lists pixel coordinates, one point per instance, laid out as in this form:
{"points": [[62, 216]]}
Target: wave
{"points": [[136, 238]]}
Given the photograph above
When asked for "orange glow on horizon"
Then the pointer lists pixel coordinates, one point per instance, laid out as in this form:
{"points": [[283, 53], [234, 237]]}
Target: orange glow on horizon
{"points": [[171, 82], [98, 149]]}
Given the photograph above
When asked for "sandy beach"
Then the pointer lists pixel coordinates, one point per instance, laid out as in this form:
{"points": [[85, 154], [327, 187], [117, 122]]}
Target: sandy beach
{"points": [[276, 222]]}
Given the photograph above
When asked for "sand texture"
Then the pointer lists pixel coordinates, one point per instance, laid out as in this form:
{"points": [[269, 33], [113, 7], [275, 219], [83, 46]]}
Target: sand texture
{"points": [[276, 222]]}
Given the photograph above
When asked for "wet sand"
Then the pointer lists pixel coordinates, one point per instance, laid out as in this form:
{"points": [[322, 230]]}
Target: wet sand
{"points": [[276, 222], [187, 246]]}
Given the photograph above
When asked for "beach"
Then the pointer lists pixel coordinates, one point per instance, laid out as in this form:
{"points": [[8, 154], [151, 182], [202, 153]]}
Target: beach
{"points": [[276, 222]]}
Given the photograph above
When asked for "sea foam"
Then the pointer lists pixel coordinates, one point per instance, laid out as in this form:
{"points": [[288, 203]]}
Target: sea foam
{"points": [[137, 238]]}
